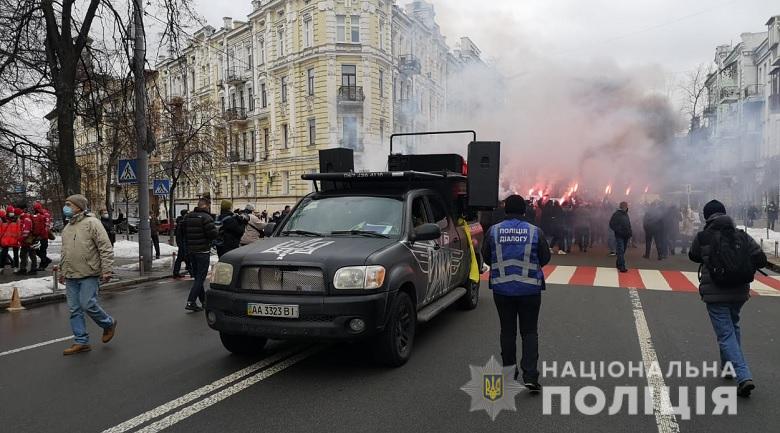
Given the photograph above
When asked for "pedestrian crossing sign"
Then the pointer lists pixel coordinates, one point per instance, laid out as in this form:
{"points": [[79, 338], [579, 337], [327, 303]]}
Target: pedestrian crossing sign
{"points": [[161, 187], [127, 170]]}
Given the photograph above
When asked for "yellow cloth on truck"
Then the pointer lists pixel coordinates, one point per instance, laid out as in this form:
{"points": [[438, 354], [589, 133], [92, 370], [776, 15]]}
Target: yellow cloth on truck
{"points": [[474, 271]]}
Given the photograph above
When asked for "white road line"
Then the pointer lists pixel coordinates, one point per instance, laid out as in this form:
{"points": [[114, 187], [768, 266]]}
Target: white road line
{"points": [[561, 275], [662, 404], [198, 393], [33, 346], [763, 289], [606, 277], [693, 277], [227, 392], [654, 280]]}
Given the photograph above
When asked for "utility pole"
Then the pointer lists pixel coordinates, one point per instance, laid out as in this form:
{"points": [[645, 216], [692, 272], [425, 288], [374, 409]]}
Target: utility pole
{"points": [[142, 156]]}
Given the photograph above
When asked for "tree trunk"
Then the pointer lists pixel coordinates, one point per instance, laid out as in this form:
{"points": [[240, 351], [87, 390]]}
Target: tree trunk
{"points": [[70, 173]]}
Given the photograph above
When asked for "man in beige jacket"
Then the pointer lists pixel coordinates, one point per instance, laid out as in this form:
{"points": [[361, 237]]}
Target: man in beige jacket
{"points": [[87, 258]]}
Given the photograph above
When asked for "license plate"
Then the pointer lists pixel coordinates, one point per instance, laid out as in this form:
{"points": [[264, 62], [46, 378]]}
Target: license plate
{"points": [[272, 310]]}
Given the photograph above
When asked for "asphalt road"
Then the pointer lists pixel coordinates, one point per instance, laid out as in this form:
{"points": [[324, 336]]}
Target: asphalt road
{"points": [[167, 369]]}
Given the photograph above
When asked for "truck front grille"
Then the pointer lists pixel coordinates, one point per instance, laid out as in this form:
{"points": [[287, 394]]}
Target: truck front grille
{"points": [[283, 279]]}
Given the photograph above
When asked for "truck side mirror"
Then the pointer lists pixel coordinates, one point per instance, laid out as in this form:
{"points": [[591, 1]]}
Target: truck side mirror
{"points": [[268, 230], [426, 232]]}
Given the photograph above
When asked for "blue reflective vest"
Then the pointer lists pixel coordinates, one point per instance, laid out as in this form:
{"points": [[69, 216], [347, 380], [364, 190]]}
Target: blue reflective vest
{"points": [[514, 259]]}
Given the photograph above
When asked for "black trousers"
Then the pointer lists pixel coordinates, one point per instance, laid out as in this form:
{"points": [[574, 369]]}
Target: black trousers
{"points": [[520, 312], [181, 258], [200, 269], [156, 244]]}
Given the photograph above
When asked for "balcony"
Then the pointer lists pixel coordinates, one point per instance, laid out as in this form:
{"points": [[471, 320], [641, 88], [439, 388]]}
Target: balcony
{"points": [[409, 64], [754, 93], [710, 111], [729, 93], [237, 158], [235, 77], [351, 94], [774, 103], [174, 100], [235, 114]]}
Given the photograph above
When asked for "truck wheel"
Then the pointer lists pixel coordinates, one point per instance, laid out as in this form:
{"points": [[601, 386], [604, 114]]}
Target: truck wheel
{"points": [[470, 300], [393, 346], [244, 345]]}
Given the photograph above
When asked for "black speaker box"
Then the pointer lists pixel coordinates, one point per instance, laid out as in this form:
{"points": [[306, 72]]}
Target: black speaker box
{"points": [[484, 163], [429, 162], [338, 160]]}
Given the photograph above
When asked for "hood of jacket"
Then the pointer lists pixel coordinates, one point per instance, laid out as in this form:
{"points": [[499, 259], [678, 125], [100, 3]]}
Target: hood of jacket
{"points": [[720, 221]]}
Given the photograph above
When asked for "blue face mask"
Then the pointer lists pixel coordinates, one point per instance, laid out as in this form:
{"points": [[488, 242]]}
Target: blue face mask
{"points": [[67, 211]]}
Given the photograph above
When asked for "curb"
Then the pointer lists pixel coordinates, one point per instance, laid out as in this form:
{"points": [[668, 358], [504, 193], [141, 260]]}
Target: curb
{"points": [[60, 295]]}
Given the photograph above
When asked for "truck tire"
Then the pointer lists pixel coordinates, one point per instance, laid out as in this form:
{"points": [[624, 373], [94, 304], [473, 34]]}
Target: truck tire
{"points": [[243, 345], [470, 300], [393, 346]]}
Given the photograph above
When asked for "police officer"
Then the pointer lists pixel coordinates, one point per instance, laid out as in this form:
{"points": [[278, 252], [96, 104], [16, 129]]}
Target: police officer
{"points": [[517, 250]]}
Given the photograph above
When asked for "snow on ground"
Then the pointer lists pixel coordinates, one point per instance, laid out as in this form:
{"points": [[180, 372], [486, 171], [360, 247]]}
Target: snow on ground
{"points": [[760, 234], [160, 264], [125, 249], [27, 288]]}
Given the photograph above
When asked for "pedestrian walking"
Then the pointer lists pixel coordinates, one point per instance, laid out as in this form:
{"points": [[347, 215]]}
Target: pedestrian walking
{"points": [[108, 225], [582, 227], [28, 245], [10, 239], [154, 226], [652, 223], [181, 242], [771, 215], [42, 224], [230, 228], [199, 232], [672, 220], [518, 250], [620, 224], [728, 260], [87, 259], [254, 230]]}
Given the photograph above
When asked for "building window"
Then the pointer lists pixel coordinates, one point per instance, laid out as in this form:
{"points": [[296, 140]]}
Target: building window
{"points": [[244, 146], [285, 183], [249, 58], [266, 150], [307, 31], [281, 42], [381, 83], [381, 34], [251, 99], [341, 28], [263, 96], [261, 49], [382, 132], [312, 132], [354, 24], [241, 98], [233, 100], [285, 136], [349, 134], [310, 81], [349, 75], [222, 102], [253, 144], [284, 89]]}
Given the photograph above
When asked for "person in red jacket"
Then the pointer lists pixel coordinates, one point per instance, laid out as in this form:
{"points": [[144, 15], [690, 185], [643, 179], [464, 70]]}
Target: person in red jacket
{"points": [[41, 227], [29, 244], [9, 240]]}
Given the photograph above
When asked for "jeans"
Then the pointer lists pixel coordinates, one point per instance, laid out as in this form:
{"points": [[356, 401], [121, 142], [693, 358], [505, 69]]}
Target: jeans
{"points": [[725, 322], [526, 309], [181, 257], [620, 251], [199, 264], [82, 296], [611, 241]]}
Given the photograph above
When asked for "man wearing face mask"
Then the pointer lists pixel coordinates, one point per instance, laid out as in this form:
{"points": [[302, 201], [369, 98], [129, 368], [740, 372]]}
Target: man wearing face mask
{"points": [[108, 224], [87, 259]]}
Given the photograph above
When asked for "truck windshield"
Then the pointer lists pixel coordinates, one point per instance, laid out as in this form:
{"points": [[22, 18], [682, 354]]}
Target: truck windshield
{"points": [[381, 215]]}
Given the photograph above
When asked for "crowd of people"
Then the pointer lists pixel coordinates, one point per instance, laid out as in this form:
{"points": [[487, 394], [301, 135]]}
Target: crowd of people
{"points": [[24, 238]]}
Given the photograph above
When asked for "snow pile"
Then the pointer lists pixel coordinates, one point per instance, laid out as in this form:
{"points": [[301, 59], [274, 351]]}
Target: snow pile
{"points": [[125, 249], [27, 288], [760, 235], [161, 263]]}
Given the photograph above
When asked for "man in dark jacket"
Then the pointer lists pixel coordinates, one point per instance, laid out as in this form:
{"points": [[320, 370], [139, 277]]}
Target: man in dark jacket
{"points": [[620, 223], [652, 223], [771, 215], [231, 228], [181, 242], [154, 226], [724, 303], [199, 232], [672, 220]]}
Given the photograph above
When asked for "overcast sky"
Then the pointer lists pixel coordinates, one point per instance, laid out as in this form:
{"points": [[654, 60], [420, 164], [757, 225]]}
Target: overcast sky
{"points": [[677, 34]]}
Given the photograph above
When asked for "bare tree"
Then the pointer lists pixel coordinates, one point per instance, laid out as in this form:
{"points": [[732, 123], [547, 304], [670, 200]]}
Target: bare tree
{"points": [[694, 92]]}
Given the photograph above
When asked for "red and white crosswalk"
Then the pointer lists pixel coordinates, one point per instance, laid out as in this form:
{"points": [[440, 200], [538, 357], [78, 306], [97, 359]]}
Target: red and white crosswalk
{"points": [[650, 279]]}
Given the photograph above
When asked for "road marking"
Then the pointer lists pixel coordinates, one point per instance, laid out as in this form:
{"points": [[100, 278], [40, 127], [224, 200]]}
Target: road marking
{"points": [[662, 404], [606, 277], [33, 346], [200, 392], [213, 399], [654, 280], [763, 289], [693, 277], [561, 275]]}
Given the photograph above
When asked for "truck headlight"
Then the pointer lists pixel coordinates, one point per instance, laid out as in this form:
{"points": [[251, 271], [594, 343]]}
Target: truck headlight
{"points": [[359, 277], [222, 274]]}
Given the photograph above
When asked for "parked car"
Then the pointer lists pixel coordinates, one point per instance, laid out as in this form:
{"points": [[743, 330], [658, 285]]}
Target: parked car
{"points": [[131, 222], [165, 227]]}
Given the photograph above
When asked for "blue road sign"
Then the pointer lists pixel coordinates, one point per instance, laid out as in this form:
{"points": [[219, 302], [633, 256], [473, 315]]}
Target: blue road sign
{"points": [[19, 189], [127, 169], [161, 186]]}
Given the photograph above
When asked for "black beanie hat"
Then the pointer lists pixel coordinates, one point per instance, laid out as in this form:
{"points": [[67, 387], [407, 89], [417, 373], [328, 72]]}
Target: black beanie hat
{"points": [[712, 208], [514, 204]]}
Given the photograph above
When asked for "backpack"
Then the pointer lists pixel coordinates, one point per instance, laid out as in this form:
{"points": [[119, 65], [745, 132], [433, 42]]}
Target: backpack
{"points": [[729, 262], [220, 239]]}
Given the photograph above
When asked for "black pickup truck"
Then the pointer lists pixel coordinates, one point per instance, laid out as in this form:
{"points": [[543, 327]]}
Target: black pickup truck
{"points": [[369, 257]]}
